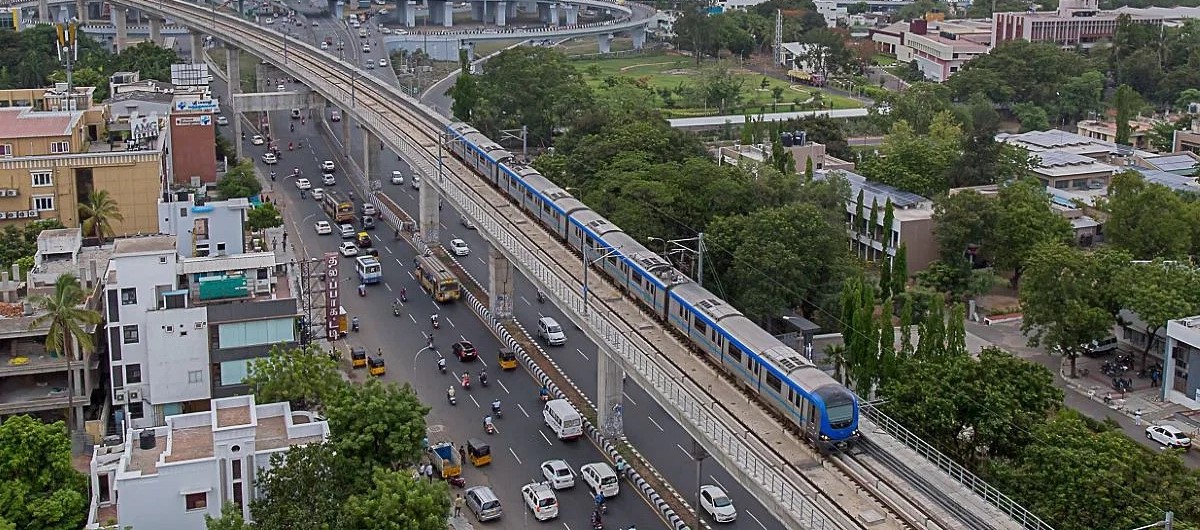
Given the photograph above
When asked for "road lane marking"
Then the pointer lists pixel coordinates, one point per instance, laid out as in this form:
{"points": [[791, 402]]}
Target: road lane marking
{"points": [[523, 299], [544, 438], [501, 383], [514, 453], [414, 319], [656, 424], [462, 337], [629, 398], [522, 410], [452, 324], [389, 287], [685, 451], [756, 520], [717, 482], [583, 354], [481, 260], [389, 249], [398, 262], [477, 405]]}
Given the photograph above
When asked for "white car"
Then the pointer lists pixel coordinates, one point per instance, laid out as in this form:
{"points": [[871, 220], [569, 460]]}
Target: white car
{"points": [[316, 24], [270, 158], [328, 179], [303, 184], [257, 140], [269, 20], [280, 87], [327, 166], [466, 222], [335, 115], [383, 63], [323, 228], [324, 45], [459, 247], [318, 193], [416, 182], [348, 249], [717, 504], [1169, 436], [221, 120], [385, 31], [397, 177], [369, 65], [540, 500], [366, 48], [558, 474]]}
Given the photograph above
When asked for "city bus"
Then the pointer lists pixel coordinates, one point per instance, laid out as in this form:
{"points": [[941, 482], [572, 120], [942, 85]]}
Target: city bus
{"points": [[368, 268], [338, 207], [437, 279]]}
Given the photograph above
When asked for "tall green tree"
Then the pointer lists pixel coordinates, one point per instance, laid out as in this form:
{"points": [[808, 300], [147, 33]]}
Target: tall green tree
{"points": [[98, 214], [859, 221], [264, 216], [918, 162], [1148, 220], [1127, 101], [906, 324], [306, 378], [40, 490], [1024, 220], [397, 501], [306, 488], [961, 220], [1158, 292], [900, 270], [931, 333], [507, 100], [379, 424], [68, 329], [919, 104], [240, 181]]}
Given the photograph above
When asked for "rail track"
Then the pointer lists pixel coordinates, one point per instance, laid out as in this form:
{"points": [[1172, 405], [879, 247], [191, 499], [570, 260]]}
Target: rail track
{"points": [[414, 130]]}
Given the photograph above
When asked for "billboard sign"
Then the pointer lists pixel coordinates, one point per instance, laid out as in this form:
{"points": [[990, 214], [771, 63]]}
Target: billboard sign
{"points": [[332, 300]]}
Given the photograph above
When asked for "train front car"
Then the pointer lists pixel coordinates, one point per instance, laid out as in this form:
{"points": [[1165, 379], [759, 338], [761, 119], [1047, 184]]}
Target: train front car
{"points": [[839, 417]]}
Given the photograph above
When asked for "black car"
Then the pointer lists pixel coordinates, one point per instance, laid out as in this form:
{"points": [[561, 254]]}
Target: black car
{"points": [[465, 351]]}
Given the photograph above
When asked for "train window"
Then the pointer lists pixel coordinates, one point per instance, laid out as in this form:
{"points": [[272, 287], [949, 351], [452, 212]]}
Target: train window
{"points": [[774, 382], [700, 327], [546, 207], [735, 353]]}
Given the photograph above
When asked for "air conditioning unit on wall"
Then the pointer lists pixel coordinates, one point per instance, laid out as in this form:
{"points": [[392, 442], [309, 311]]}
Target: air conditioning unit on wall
{"points": [[135, 396], [119, 396]]}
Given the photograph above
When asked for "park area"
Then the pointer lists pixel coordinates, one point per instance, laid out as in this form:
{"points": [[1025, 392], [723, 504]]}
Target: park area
{"points": [[684, 83]]}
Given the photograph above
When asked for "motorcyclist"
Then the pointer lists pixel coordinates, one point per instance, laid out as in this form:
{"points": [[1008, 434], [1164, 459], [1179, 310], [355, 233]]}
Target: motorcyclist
{"points": [[292, 127], [396, 306], [544, 392], [403, 294], [450, 392], [495, 406], [540, 297], [272, 174], [483, 376], [596, 518], [487, 423], [433, 319], [599, 500], [466, 380], [354, 322], [442, 364]]}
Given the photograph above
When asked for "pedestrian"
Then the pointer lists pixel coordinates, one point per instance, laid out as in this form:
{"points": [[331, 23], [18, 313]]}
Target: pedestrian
{"points": [[429, 472], [458, 505], [1137, 417], [285, 238], [273, 243], [462, 453]]}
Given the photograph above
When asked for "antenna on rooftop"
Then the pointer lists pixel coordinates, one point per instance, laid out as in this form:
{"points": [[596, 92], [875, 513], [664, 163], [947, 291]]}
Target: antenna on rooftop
{"points": [[778, 36]]}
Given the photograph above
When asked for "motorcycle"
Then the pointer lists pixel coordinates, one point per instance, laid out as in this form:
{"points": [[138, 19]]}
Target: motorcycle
{"points": [[395, 310], [489, 427], [362, 289], [458, 481], [483, 378], [541, 298], [466, 382], [272, 176], [442, 364], [496, 411], [354, 324], [291, 146], [450, 396], [403, 295], [435, 321]]}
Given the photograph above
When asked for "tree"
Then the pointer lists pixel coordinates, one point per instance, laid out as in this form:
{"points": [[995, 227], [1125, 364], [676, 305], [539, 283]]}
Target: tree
{"points": [[917, 162], [1127, 102], [1158, 292], [984, 160], [919, 104], [399, 502], [378, 424], [1148, 220], [1063, 300], [900, 270], [808, 169], [961, 220], [906, 324], [17, 243], [68, 323], [465, 93], [507, 100], [230, 519], [857, 8], [1019, 72], [1024, 220], [1031, 117], [98, 213], [931, 333], [859, 222], [40, 490], [306, 488], [1162, 135], [305, 378], [239, 182], [264, 216]]}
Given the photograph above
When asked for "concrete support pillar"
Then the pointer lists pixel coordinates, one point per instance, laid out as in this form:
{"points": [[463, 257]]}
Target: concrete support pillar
{"points": [[345, 132], [553, 14], [448, 14], [156, 31], [427, 217], [435, 10], [197, 47], [81, 11], [501, 13], [410, 15], [233, 74], [605, 41], [610, 378], [479, 11], [1168, 371], [500, 284], [639, 38], [122, 40], [372, 147], [543, 13], [44, 10], [572, 14], [339, 11], [316, 108]]}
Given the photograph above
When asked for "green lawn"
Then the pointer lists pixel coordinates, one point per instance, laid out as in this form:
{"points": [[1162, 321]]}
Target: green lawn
{"points": [[663, 70]]}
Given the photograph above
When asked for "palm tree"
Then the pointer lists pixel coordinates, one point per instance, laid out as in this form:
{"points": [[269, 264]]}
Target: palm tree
{"points": [[67, 320], [98, 213]]}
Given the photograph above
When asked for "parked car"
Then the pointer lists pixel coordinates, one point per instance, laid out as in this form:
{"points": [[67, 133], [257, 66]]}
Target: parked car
{"points": [[1169, 436]]}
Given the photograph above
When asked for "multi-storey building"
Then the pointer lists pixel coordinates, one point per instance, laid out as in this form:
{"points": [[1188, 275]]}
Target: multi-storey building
{"points": [[174, 475], [912, 225], [1105, 131], [940, 48], [52, 157], [182, 327], [1076, 23]]}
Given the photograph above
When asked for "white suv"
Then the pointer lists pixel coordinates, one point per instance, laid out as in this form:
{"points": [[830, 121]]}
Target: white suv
{"points": [[540, 500]]}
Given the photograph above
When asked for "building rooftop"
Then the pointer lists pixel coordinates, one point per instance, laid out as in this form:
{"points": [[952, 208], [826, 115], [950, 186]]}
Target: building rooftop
{"points": [[1064, 164], [1177, 163], [24, 122], [137, 245], [1166, 13], [1174, 181], [1037, 141], [877, 192]]}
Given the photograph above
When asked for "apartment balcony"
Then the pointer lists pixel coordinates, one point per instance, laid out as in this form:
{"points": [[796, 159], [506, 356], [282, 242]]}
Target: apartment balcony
{"points": [[34, 393]]}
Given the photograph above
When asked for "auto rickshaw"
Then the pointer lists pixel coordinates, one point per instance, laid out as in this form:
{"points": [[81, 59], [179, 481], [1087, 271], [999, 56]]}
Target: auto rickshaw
{"points": [[363, 240], [479, 452], [508, 359], [358, 357], [376, 366]]}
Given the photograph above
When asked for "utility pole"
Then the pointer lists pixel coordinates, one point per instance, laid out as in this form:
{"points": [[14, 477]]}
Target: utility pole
{"points": [[699, 455], [309, 271], [68, 53], [1168, 523]]}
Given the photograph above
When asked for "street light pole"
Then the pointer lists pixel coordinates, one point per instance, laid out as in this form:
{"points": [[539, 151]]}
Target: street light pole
{"points": [[698, 454], [587, 265]]}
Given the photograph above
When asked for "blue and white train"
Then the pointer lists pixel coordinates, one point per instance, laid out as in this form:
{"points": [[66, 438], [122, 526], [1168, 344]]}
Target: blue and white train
{"points": [[823, 410]]}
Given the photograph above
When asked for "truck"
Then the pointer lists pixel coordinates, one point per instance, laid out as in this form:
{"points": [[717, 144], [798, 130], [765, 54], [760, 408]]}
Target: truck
{"points": [[446, 460], [368, 268]]}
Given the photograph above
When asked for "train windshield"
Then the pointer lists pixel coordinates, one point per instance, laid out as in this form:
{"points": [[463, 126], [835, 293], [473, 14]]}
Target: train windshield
{"points": [[840, 415]]}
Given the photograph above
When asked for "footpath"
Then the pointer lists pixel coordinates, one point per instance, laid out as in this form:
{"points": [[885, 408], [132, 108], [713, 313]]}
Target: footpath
{"points": [[1085, 393]]}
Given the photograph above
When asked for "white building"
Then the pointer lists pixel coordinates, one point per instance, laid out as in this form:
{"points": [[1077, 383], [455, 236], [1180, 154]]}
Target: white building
{"points": [[181, 330], [172, 476], [204, 228], [1181, 360], [940, 48]]}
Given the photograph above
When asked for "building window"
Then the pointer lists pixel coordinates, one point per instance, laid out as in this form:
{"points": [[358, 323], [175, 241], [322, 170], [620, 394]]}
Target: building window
{"points": [[135, 410], [129, 296], [237, 470], [42, 179], [196, 501], [195, 376], [43, 203], [183, 212], [60, 147], [133, 373], [118, 378], [6, 150], [130, 333]]}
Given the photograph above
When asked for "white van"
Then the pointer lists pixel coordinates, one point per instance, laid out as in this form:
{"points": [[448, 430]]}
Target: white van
{"points": [[551, 332], [563, 419], [600, 478]]}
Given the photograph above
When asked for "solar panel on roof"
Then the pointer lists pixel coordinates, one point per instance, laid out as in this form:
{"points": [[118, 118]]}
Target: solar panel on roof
{"points": [[900, 198], [1173, 162]]}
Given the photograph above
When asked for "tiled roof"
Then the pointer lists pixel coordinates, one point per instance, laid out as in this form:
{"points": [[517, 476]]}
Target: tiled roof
{"points": [[24, 122]]}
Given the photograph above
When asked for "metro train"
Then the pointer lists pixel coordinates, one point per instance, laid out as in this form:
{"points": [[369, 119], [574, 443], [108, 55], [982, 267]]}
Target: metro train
{"points": [[824, 411]]}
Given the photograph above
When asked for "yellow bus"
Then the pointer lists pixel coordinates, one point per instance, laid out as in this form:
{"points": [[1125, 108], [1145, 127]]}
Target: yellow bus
{"points": [[437, 279]]}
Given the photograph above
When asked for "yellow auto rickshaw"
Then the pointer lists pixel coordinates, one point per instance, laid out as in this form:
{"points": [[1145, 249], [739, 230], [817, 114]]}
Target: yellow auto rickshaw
{"points": [[508, 359], [358, 357], [375, 366], [479, 452], [363, 240]]}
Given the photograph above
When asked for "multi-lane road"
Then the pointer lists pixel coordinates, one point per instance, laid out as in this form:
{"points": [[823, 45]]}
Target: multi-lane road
{"points": [[522, 443]]}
